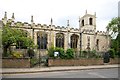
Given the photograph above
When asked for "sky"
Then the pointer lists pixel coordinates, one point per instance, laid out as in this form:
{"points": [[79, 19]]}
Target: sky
{"points": [[60, 11]]}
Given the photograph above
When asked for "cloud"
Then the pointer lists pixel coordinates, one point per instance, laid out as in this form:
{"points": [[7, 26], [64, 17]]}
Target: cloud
{"points": [[60, 10]]}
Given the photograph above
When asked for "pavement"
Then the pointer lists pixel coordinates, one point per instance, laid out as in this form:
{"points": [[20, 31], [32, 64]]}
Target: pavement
{"points": [[60, 68]]}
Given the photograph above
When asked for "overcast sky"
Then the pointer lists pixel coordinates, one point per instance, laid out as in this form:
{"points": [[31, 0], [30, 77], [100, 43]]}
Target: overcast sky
{"points": [[60, 11]]}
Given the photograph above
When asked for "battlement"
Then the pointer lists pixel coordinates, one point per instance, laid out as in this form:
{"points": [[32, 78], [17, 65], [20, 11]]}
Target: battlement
{"points": [[86, 31], [53, 27], [43, 26], [101, 33]]}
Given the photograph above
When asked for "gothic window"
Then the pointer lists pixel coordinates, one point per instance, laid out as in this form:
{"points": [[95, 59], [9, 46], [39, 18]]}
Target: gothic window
{"points": [[42, 40], [74, 41], [97, 44], [82, 22], [91, 21], [60, 40]]}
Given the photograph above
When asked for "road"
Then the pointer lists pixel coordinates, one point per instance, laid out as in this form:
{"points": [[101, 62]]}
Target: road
{"points": [[92, 73]]}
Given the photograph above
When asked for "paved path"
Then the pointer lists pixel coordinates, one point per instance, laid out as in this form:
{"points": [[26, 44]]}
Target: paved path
{"points": [[92, 73], [50, 69]]}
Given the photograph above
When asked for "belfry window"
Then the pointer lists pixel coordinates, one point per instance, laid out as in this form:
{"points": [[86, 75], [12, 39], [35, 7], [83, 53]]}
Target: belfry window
{"points": [[90, 21], [42, 40], [60, 40], [82, 22], [74, 41]]}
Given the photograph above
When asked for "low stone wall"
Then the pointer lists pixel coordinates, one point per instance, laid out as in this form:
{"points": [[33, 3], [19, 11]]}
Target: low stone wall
{"points": [[78, 62], [16, 62], [115, 61]]}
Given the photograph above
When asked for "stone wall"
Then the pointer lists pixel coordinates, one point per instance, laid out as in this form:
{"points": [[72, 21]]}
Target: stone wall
{"points": [[16, 62], [115, 61], [78, 62]]}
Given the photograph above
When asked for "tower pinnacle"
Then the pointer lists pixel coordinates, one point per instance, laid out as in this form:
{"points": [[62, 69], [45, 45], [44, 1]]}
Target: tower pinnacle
{"points": [[79, 18], [13, 17], [68, 23], [5, 16], [32, 19], [51, 21], [86, 11], [95, 13]]}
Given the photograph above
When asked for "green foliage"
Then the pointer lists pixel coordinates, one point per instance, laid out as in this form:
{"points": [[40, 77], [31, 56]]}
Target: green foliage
{"points": [[114, 29], [33, 61], [83, 54], [115, 45], [70, 53], [118, 44], [8, 36], [13, 36], [17, 54], [94, 54], [51, 52], [61, 52], [113, 25], [112, 53], [84, 51], [56, 49], [90, 54]]}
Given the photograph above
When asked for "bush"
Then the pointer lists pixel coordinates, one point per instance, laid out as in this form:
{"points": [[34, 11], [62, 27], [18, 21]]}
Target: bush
{"points": [[17, 54], [51, 52], [34, 61], [56, 49], [61, 52], [70, 53], [83, 54], [90, 54], [93, 54], [111, 53]]}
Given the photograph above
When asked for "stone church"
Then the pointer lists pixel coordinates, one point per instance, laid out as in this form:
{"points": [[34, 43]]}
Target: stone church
{"points": [[85, 37]]}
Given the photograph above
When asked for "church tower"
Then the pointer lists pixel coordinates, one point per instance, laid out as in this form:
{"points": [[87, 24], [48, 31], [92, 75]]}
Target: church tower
{"points": [[87, 22]]}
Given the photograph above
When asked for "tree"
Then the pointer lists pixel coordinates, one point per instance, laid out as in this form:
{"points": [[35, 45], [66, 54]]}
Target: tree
{"points": [[11, 36], [114, 28]]}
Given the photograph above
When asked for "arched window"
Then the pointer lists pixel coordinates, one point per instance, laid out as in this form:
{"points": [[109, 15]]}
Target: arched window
{"points": [[74, 41], [42, 40], [82, 22], [60, 40], [91, 21]]}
